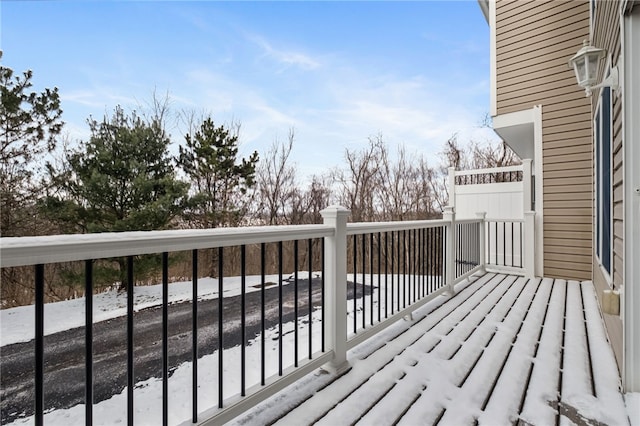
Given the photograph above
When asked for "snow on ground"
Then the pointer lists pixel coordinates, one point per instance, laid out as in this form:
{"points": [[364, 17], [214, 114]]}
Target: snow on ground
{"points": [[17, 324], [148, 394]]}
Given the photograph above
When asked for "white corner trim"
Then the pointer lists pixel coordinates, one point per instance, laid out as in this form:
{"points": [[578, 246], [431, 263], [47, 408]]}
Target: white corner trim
{"points": [[539, 187], [493, 92], [631, 139]]}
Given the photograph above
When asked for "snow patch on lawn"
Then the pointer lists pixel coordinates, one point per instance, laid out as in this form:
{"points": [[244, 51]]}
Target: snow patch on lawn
{"points": [[18, 324]]}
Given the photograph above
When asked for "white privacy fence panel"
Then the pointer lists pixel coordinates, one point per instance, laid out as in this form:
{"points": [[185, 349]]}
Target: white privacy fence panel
{"points": [[501, 192], [503, 200]]}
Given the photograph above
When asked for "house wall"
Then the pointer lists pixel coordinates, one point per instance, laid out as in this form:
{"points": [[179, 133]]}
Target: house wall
{"points": [[534, 41], [606, 34]]}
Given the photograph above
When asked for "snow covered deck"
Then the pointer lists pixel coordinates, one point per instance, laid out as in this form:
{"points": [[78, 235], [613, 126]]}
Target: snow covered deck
{"points": [[504, 349]]}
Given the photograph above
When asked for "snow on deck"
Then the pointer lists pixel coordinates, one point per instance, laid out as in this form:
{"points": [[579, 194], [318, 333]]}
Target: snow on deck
{"points": [[503, 350]]}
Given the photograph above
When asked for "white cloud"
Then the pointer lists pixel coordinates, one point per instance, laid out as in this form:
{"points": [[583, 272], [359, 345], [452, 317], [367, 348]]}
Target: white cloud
{"points": [[285, 57]]}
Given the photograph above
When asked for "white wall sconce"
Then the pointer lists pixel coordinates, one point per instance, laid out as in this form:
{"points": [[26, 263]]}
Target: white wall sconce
{"points": [[585, 64]]}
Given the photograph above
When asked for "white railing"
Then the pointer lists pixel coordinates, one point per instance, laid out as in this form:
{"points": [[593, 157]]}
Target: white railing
{"points": [[461, 249]]}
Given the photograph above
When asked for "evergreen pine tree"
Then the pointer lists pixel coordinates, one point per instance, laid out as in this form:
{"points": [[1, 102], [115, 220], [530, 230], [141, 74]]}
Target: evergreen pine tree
{"points": [[220, 181], [122, 179]]}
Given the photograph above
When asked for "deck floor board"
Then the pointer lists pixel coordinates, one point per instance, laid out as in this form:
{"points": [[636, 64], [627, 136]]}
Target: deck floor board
{"points": [[502, 345]]}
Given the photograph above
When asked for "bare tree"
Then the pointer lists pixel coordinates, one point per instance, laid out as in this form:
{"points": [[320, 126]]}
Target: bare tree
{"points": [[278, 190], [356, 185]]}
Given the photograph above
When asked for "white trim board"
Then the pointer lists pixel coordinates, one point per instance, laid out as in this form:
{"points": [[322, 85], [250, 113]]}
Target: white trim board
{"points": [[526, 127], [493, 63], [631, 138]]}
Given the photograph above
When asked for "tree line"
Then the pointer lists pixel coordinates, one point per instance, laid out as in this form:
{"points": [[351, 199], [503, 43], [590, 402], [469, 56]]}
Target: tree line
{"points": [[123, 177]]}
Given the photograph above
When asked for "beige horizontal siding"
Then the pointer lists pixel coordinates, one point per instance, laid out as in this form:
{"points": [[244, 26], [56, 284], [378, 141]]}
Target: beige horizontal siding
{"points": [[567, 196], [534, 41], [571, 149], [540, 15], [563, 272]]}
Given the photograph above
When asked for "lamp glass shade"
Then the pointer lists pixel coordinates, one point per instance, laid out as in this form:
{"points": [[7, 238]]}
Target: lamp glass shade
{"points": [[592, 68], [581, 71], [585, 65]]}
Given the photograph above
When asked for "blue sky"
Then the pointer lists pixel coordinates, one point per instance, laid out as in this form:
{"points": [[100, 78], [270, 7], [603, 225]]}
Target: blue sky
{"points": [[336, 72]]}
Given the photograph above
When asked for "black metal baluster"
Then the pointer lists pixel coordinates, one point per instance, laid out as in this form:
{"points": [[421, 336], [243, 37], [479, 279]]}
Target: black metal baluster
{"points": [[462, 240], [39, 345], [88, 342], [165, 338], [460, 246], [414, 264], [322, 293], [194, 336], [379, 279], [504, 243], [404, 269], [398, 265], [438, 255], [491, 239], [355, 285], [467, 248], [243, 320], [472, 246], [421, 260], [425, 261], [512, 248], [497, 262], [371, 276], [130, 358], [443, 255], [408, 265], [435, 253], [263, 250], [431, 252], [466, 244], [364, 277], [393, 252], [280, 308], [456, 252], [220, 328], [295, 302], [521, 242], [310, 243], [476, 243], [386, 273]]}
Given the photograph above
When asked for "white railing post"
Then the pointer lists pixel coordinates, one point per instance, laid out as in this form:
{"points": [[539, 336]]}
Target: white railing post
{"points": [[482, 217], [452, 186], [336, 286], [529, 244], [450, 216], [526, 185]]}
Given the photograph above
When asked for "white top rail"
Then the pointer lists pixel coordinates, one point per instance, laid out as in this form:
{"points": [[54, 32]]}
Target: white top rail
{"points": [[467, 221], [493, 219], [371, 227], [21, 251], [506, 169]]}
